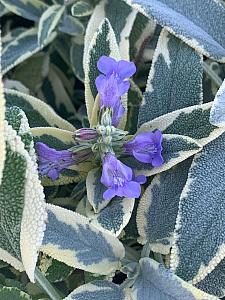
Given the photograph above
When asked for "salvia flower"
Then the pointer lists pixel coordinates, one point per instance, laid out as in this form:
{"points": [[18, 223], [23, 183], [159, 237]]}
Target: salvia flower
{"points": [[85, 134], [146, 147], [51, 161], [119, 179]]}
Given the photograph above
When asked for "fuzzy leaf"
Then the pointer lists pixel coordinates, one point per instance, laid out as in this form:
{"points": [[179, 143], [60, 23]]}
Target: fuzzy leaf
{"points": [[176, 148], [71, 239], [114, 217], [217, 115], [39, 114], [199, 236], [81, 9], [13, 293], [100, 290], [28, 9], [158, 208], [191, 121], [21, 48], [76, 56], [71, 26], [200, 23], [175, 79], [48, 21], [155, 282], [21, 196]]}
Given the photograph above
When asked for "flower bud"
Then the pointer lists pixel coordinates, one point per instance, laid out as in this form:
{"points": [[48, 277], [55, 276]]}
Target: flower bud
{"points": [[85, 135]]}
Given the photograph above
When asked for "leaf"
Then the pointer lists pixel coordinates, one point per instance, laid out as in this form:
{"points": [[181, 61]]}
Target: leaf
{"points": [[217, 112], [54, 270], [81, 9], [157, 282], [175, 79], [38, 113], [48, 22], [3, 10], [195, 253], [99, 289], [22, 206], [176, 148], [103, 43], [2, 117], [114, 217], [214, 282], [190, 121], [158, 208], [13, 293], [199, 24], [28, 9], [76, 56], [21, 48], [60, 140], [71, 26], [69, 238]]}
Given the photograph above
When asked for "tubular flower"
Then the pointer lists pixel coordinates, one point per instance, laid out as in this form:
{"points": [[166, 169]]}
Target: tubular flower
{"points": [[119, 179], [146, 147]]}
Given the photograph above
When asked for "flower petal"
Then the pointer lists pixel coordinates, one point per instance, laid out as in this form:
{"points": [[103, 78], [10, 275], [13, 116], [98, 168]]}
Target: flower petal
{"points": [[131, 189], [140, 179], [118, 112], [109, 194], [157, 160], [125, 69], [143, 157], [53, 174], [107, 65]]}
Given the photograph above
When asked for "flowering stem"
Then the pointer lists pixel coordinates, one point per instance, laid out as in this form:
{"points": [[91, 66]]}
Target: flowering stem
{"points": [[131, 254], [217, 80], [45, 284]]}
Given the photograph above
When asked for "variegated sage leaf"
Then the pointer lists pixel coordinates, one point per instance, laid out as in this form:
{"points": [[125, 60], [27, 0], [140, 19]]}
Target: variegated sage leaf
{"points": [[157, 282], [13, 293], [200, 23], [176, 148], [81, 8], [39, 114], [3, 10], [121, 17], [21, 48], [217, 115], [76, 56], [23, 208], [28, 9], [2, 117], [158, 208], [48, 22], [71, 26], [100, 290], [191, 121], [114, 217], [214, 282], [175, 79], [199, 244], [71, 239], [103, 43], [59, 139]]}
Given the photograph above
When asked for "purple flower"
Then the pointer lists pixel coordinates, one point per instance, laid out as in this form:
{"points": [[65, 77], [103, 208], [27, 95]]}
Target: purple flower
{"points": [[147, 147], [113, 84], [52, 162], [85, 134], [119, 179]]}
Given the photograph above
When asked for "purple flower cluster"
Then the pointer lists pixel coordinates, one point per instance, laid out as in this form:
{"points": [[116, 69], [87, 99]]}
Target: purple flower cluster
{"points": [[145, 147]]}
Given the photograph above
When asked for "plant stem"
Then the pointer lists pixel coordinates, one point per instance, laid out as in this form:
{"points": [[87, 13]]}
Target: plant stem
{"points": [[131, 254], [45, 284], [217, 80]]}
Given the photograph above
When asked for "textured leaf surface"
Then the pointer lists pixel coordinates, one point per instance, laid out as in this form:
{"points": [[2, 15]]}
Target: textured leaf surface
{"points": [[158, 208], [71, 26], [199, 237], [155, 282], [69, 238], [48, 22], [39, 114], [28, 9], [217, 116], [191, 121], [60, 140], [21, 48], [176, 148], [175, 78], [12, 293], [103, 43], [81, 9], [199, 23], [100, 290], [76, 57], [21, 194], [2, 117], [114, 217]]}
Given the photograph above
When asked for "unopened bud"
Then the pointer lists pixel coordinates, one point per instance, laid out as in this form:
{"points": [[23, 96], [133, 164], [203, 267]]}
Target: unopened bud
{"points": [[85, 134]]}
